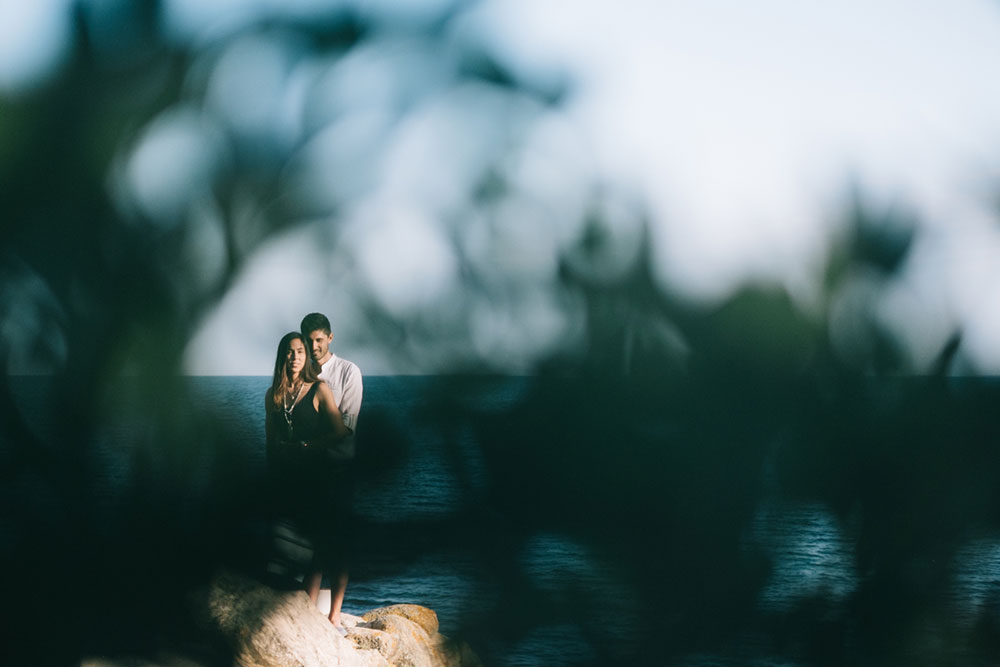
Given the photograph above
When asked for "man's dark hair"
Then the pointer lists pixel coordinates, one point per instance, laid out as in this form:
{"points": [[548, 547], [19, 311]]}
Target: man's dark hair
{"points": [[313, 322]]}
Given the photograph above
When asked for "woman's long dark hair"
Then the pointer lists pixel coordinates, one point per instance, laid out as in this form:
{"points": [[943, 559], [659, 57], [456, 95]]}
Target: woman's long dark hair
{"points": [[281, 385]]}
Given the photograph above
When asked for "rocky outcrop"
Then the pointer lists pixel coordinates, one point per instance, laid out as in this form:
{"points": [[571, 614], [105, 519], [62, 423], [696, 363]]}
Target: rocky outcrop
{"points": [[266, 627]]}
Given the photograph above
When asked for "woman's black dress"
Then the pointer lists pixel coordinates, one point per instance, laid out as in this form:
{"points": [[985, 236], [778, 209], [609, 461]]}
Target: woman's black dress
{"points": [[307, 489]]}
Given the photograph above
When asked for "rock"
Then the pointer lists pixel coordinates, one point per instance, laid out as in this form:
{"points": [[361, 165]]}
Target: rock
{"points": [[414, 646], [383, 642], [267, 627], [422, 616]]}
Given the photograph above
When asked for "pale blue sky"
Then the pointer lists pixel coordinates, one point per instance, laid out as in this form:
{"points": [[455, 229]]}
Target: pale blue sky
{"points": [[742, 124]]}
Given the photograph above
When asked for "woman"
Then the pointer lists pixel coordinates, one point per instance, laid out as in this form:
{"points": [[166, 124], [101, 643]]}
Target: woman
{"points": [[301, 421]]}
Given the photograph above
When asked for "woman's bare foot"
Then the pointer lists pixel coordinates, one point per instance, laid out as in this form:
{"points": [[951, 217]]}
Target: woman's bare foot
{"points": [[337, 625]]}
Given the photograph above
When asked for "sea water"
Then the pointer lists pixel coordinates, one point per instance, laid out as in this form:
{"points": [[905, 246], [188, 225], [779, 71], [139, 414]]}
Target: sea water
{"points": [[420, 486], [438, 471]]}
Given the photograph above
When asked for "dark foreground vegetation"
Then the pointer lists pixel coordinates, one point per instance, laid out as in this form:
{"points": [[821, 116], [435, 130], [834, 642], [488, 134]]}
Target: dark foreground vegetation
{"points": [[652, 435]]}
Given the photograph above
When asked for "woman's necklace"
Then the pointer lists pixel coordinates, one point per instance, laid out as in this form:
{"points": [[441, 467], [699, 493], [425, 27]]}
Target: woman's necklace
{"points": [[287, 409]]}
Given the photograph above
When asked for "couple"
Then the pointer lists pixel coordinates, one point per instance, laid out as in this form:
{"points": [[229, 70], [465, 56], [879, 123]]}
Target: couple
{"points": [[311, 413]]}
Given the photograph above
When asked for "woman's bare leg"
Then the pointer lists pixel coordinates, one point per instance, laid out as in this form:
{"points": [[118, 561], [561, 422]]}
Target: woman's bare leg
{"points": [[337, 597], [312, 584]]}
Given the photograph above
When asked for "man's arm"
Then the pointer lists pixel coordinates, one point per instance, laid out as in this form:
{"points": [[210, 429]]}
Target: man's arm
{"points": [[328, 406], [350, 400]]}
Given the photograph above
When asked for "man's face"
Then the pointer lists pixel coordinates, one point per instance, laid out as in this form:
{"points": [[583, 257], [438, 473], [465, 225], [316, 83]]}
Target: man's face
{"points": [[319, 342]]}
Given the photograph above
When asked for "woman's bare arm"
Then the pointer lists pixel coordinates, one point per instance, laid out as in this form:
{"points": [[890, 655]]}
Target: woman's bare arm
{"points": [[271, 438]]}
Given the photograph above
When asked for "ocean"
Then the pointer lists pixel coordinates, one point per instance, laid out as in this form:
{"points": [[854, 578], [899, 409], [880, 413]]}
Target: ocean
{"points": [[444, 527]]}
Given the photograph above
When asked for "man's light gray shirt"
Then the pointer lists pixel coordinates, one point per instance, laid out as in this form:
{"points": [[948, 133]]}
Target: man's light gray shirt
{"points": [[344, 379]]}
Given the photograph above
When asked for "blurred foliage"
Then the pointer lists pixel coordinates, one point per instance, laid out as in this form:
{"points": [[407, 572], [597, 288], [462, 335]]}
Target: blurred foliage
{"points": [[651, 431]]}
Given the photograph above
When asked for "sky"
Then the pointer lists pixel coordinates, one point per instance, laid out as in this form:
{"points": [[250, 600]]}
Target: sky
{"points": [[744, 122], [740, 125]]}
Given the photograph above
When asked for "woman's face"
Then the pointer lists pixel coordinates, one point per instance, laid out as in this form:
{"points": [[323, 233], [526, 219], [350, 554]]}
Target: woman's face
{"points": [[297, 356]]}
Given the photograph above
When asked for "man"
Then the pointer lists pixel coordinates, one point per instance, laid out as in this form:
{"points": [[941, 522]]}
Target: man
{"points": [[344, 379]]}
